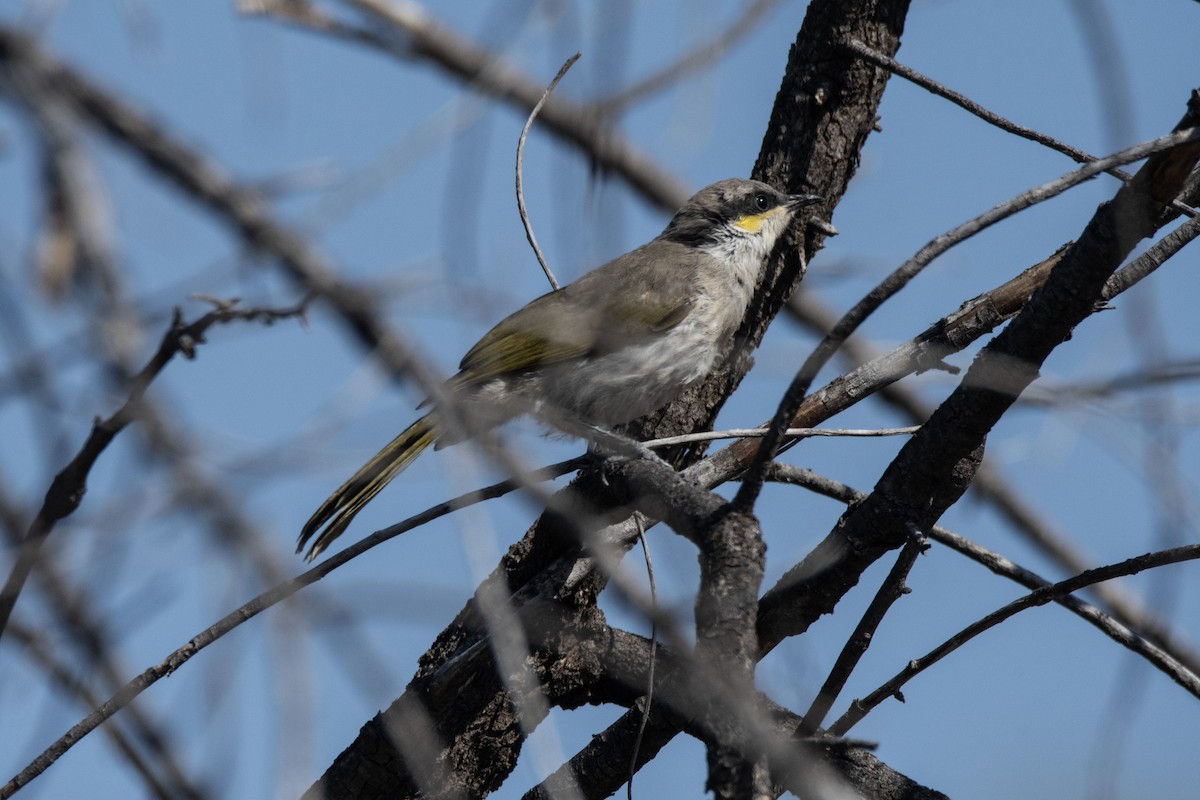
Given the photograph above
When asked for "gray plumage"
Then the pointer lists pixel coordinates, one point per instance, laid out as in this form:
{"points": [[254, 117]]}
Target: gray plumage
{"points": [[620, 342]]}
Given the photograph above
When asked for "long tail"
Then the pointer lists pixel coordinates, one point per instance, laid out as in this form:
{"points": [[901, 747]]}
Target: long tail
{"points": [[336, 513]]}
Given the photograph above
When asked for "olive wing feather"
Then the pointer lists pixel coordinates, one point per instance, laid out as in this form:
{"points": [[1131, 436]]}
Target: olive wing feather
{"points": [[617, 305]]}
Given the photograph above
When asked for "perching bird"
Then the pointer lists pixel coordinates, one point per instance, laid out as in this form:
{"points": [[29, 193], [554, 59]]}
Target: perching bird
{"points": [[624, 340]]}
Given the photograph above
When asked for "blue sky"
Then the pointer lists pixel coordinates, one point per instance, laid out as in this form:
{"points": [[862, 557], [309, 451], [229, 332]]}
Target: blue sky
{"points": [[406, 182]]}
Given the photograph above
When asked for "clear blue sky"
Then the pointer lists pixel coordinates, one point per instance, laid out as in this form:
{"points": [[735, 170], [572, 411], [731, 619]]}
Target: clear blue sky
{"points": [[406, 182]]}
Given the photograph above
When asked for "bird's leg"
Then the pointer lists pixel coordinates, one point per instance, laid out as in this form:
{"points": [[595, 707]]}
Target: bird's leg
{"points": [[601, 441], [616, 445]]}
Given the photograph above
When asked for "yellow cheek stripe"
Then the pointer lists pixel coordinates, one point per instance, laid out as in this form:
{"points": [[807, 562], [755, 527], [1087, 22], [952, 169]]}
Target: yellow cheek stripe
{"points": [[750, 223]]}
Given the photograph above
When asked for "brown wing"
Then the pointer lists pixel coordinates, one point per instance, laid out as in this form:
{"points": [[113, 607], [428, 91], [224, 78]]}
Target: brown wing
{"points": [[626, 301]]}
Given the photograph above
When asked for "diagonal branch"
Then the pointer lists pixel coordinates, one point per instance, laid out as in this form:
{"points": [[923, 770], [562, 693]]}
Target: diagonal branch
{"points": [[892, 588], [990, 117], [934, 468], [1181, 668], [1038, 597], [902, 275], [235, 204], [408, 31], [67, 490]]}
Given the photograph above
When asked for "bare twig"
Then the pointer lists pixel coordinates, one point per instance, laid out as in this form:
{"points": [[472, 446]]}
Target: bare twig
{"points": [[890, 591], [695, 59], [537, 251], [967, 104], [891, 285], [799, 433], [1160, 654], [641, 732], [1038, 597], [253, 608], [68, 487]]}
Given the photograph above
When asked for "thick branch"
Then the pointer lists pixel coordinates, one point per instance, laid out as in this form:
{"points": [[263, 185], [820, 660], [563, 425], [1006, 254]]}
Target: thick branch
{"points": [[824, 111], [935, 467]]}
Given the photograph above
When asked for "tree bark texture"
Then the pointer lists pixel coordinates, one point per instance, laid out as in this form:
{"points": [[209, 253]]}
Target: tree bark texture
{"points": [[824, 111]]}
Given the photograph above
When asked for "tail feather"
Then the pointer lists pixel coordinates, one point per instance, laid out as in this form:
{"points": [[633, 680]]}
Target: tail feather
{"points": [[336, 513]]}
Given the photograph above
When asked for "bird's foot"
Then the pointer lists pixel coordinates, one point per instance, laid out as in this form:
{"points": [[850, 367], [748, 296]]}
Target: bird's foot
{"points": [[606, 443]]}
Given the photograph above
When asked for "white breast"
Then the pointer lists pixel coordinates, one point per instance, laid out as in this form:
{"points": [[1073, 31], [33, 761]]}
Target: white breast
{"points": [[624, 385], [617, 387]]}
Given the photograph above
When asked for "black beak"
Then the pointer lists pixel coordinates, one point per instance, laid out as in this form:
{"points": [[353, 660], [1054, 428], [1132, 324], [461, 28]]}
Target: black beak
{"points": [[798, 201]]}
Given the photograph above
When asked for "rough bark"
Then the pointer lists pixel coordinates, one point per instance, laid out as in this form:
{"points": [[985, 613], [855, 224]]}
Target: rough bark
{"points": [[824, 111]]}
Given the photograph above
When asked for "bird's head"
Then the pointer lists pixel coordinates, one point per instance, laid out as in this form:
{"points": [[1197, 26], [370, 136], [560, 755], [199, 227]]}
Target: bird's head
{"points": [[736, 218]]}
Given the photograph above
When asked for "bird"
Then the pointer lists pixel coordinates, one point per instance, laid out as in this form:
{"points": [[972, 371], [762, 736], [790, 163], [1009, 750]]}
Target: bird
{"points": [[618, 343]]}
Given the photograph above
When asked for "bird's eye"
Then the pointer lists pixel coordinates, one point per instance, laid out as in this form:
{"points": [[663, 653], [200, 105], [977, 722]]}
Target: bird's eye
{"points": [[762, 202]]}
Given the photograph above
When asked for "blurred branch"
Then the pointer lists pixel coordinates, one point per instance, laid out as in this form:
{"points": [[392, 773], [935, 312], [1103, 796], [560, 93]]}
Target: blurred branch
{"points": [[247, 611], [990, 117], [991, 486], [240, 207], [1165, 655], [407, 31], [114, 325], [898, 279], [74, 615], [1137, 380], [174, 786], [1038, 597], [75, 247], [694, 60], [68, 487]]}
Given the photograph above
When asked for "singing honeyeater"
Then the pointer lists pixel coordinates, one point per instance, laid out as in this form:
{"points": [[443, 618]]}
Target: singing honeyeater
{"points": [[620, 342]]}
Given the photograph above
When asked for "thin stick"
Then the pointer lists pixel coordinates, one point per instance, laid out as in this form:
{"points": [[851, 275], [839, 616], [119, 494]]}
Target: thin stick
{"points": [[537, 251], [1038, 597], [992, 118], [898, 279], [641, 732], [890, 591], [67, 489], [247, 611], [758, 433]]}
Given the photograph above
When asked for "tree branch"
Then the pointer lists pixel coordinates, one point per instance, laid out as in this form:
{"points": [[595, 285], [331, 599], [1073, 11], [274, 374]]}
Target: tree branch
{"points": [[1159, 651], [935, 467], [67, 490], [1038, 597]]}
